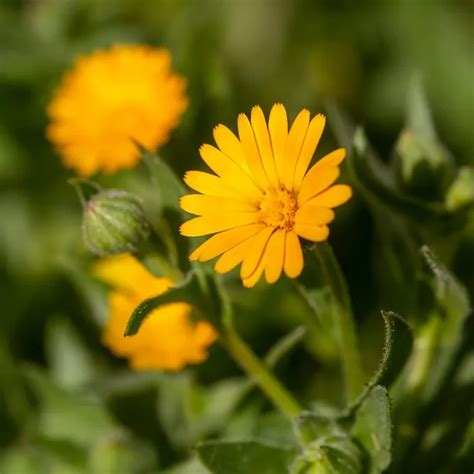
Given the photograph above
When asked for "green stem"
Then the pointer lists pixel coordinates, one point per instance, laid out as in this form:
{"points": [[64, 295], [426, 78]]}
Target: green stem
{"points": [[259, 373], [347, 336]]}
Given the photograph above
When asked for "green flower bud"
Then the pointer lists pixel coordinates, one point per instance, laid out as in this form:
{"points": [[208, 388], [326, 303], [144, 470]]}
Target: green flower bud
{"points": [[461, 191], [114, 222]]}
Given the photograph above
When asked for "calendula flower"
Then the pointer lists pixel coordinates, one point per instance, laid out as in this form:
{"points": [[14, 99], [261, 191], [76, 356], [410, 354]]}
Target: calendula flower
{"points": [[111, 99], [168, 339], [263, 199]]}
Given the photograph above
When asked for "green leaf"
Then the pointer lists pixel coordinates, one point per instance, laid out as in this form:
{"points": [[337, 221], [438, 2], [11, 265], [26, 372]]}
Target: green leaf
{"points": [[454, 307], [66, 416], [372, 182], [119, 454], [193, 290], [72, 365], [419, 119], [461, 192], [189, 412], [330, 455], [373, 428], [226, 457], [193, 466], [397, 348], [322, 270], [169, 187]]}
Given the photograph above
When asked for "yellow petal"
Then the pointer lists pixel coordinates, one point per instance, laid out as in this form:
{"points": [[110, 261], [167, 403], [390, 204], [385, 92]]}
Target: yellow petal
{"points": [[210, 184], [335, 158], [313, 215], [255, 252], [313, 135], [293, 255], [253, 279], [250, 149], [230, 259], [224, 241], [332, 197], [211, 224], [293, 146], [202, 204], [274, 256], [318, 179], [230, 145], [278, 126], [311, 232], [231, 173], [264, 146]]}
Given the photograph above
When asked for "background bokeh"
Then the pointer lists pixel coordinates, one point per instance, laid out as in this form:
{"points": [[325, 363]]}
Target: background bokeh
{"points": [[61, 392]]}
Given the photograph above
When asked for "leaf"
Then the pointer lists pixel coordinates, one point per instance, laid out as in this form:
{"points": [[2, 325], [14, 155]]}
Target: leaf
{"points": [[454, 306], [341, 456], [193, 291], [71, 363], [322, 270], [373, 428], [119, 454], [372, 183], [397, 348], [193, 466], [67, 417], [244, 457], [169, 187], [419, 119], [189, 412], [330, 455]]}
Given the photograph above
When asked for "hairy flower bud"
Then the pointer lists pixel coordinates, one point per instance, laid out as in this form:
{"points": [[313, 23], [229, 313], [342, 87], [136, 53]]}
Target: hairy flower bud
{"points": [[114, 222]]}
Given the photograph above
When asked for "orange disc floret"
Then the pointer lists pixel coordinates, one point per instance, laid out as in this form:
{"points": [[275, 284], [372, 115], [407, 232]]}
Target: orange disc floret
{"points": [[262, 198], [111, 99], [168, 339]]}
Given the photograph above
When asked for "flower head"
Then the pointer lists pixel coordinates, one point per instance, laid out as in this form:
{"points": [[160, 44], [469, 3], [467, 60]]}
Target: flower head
{"points": [[262, 198], [110, 99], [168, 339]]}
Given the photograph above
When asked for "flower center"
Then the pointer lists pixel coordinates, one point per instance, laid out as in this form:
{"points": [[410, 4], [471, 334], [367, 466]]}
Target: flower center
{"points": [[278, 208]]}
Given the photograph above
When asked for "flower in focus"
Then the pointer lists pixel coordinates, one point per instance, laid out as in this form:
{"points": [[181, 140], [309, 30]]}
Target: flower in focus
{"points": [[263, 199], [110, 99], [168, 339]]}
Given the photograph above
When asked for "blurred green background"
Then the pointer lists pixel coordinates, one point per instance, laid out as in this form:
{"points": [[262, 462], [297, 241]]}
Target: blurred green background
{"points": [[68, 405]]}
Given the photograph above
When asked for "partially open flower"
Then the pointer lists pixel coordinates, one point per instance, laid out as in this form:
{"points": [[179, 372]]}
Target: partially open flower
{"points": [[111, 99], [263, 198], [168, 339]]}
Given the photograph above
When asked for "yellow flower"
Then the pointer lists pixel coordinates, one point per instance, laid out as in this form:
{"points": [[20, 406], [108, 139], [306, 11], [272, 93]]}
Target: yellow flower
{"points": [[263, 199], [111, 98], [168, 339]]}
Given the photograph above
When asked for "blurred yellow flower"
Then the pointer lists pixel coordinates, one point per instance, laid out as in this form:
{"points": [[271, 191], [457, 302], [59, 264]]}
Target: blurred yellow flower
{"points": [[111, 98], [168, 339], [263, 198]]}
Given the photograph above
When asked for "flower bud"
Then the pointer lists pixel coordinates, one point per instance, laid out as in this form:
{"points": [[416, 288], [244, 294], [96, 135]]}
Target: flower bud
{"points": [[461, 191], [114, 222]]}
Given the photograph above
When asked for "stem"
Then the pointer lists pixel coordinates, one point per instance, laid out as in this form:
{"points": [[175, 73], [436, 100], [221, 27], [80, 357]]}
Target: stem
{"points": [[254, 367], [78, 183], [347, 336]]}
